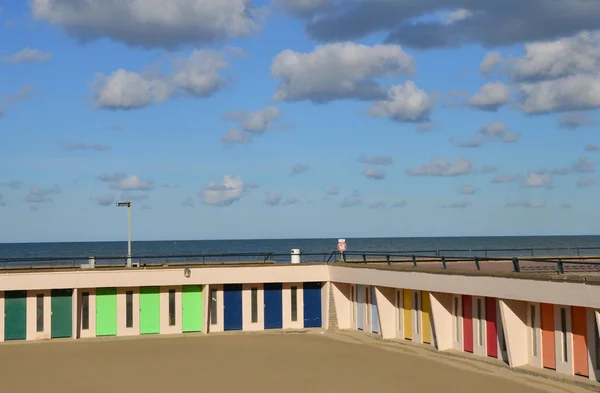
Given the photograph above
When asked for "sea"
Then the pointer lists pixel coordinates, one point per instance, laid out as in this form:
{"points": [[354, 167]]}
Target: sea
{"points": [[165, 251]]}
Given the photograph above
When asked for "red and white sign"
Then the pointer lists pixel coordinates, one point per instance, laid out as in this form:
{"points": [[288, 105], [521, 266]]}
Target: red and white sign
{"points": [[342, 245]]}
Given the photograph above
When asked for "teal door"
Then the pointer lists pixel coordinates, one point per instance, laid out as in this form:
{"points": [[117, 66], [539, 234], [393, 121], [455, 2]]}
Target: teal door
{"points": [[15, 311], [62, 313]]}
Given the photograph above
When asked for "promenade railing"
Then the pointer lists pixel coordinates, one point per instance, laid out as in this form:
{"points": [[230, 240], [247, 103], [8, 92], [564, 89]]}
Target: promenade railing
{"points": [[559, 260]]}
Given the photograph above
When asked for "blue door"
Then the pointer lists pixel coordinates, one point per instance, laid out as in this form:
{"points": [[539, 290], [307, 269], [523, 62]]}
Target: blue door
{"points": [[312, 304], [375, 312], [273, 306], [232, 299], [359, 307]]}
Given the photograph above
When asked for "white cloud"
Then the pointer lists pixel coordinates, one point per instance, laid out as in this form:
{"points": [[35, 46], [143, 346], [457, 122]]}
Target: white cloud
{"points": [[298, 169], [490, 97], [290, 201], [302, 8], [376, 160], [582, 165], [14, 184], [459, 14], [373, 173], [41, 195], [127, 196], [187, 202], [399, 204], [335, 190], [498, 131], [468, 190], [575, 120], [235, 136], [537, 179], [457, 205], [151, 24], [586, 182], [105, 199], [404, 103], [355, 199], [527, 203], [560, 58], [488, 169], [338, 71], [258, 121], [28, 55], [197, 75], [592, 147], [85, 146], [272, 199], [512, 178], [378, 205], [120, 181], [443, 167], [426, 127], [232, 189], [128, 90], [491, 62], [577, 92]]}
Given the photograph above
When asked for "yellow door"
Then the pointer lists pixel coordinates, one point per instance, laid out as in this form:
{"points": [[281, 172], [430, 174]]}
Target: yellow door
{"points": [[407, 314], [426, 305]]}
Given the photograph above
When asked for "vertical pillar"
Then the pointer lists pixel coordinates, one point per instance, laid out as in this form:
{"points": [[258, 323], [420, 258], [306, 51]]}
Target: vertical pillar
{"points": [[343, 304], [441, 315], [75, 314], [514, 317], [387, 311], [325, 304]]}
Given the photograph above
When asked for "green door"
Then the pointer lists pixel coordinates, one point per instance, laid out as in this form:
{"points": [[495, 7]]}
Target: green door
{"points": [[106, 311], [62, 313], [15, 315], [149, 310], [191, 299]]}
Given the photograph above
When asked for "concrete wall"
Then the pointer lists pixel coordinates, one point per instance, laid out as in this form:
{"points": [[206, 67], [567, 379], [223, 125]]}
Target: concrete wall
{"points": [[343, 305], [287, 306], [247, 323], [441, 312], [514, 319], [216, 292], [122, 329], [91, 331], [32, 333], [564, 364]]}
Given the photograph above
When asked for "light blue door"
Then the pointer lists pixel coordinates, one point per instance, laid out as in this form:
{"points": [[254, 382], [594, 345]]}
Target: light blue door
{"points": [[359, 307], [375, 315]]}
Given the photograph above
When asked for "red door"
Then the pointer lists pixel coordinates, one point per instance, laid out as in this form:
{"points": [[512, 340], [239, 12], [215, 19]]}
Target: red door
{"points": [[467, 304], [491, 327], [580, 345], [548, 345]]}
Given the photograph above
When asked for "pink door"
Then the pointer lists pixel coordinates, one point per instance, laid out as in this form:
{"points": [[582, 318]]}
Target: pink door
{"points": [[491, 327], [467, 323]]}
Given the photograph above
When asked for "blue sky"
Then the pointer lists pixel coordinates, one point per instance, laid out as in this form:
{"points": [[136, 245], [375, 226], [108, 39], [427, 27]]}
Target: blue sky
{"points": [[298, 118]]}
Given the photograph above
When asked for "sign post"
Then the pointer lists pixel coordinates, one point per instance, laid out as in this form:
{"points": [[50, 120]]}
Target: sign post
{"points": [[342, 246]]}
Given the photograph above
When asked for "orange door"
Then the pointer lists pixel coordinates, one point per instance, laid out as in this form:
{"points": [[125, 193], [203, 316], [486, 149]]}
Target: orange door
{"points": [[548, 348], [580, 347]]}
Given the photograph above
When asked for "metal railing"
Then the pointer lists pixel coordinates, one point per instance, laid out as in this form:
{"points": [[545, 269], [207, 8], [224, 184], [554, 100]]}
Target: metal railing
{"points": [[438, 257]]}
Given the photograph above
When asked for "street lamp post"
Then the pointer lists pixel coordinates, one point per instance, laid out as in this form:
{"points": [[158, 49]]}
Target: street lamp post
{"points": [[128, 204]]}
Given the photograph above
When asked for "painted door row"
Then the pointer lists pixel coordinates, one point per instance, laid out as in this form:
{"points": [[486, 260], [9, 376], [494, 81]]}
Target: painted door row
{"points": [[15, 318], [273, 306], [149, 309], [564, 338]]}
